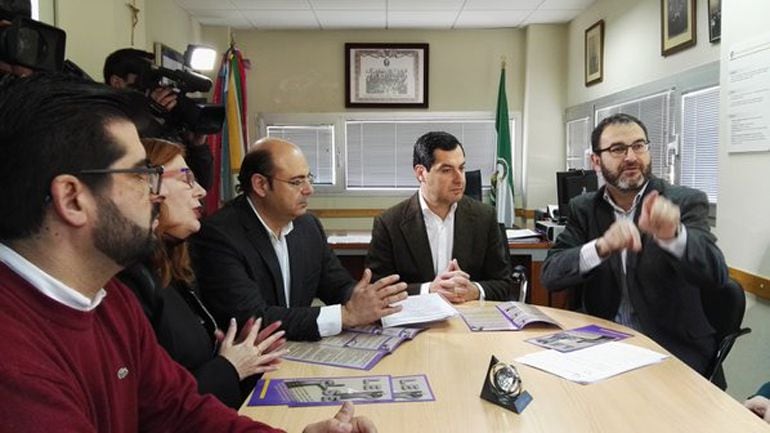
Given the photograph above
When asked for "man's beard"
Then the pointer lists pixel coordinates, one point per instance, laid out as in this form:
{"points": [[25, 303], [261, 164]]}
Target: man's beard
{"points": [[626, 185], [119, 238]]}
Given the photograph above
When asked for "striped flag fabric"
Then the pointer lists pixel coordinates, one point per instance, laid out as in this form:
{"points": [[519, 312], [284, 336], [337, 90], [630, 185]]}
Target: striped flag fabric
{"points": [[504, 184], [229, 147]]}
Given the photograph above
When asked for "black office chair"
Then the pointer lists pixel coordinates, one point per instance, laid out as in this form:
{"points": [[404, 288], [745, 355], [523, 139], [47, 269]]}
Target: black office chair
{"points": [[473, 184], [724, 310]]}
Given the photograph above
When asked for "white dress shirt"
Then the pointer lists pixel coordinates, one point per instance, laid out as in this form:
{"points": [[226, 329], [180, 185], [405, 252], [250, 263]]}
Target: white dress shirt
{"points": [[441, 236], [329, 319], [48, 285]]}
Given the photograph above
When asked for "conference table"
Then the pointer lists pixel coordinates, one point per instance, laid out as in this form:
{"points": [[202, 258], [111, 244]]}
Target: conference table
{"points": [[659, 398]]}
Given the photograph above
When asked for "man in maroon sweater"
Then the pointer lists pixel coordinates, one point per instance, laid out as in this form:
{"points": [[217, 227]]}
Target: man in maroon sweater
{"points": [[77, 204]]}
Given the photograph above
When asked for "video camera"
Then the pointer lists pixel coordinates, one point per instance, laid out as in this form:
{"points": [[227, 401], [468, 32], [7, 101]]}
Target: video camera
{"points": [[200, 118], [29, 43]]}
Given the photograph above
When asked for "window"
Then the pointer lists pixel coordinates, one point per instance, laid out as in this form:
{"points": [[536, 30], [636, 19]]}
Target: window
{"points": [[379, 152], [699, 154], [653, 111], [366, 153], [316, 142], [579, 144]]}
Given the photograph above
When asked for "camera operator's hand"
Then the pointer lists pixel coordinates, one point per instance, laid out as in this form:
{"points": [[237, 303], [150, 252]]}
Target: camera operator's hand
{"points": [[164, 98]]}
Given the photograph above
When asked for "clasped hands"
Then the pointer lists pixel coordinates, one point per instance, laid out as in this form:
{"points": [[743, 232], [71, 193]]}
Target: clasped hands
{"points": [[659, 217], [454, 285]]}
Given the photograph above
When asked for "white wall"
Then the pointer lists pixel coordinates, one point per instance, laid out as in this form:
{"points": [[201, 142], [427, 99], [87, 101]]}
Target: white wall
{"points": [[95, 28], [631, 48], [744, 206], [544, 104]]}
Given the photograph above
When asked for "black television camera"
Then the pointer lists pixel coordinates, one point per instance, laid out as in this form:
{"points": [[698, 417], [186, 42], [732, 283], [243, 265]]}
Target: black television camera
{"points": [[29, 43], [188, 114]]}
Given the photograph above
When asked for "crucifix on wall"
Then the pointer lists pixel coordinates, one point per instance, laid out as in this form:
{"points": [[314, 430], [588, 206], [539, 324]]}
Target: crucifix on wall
{"points": [[134, 18]]}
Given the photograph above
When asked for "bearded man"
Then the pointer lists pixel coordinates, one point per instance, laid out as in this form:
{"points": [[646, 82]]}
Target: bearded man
{"points": [[639, 250]]}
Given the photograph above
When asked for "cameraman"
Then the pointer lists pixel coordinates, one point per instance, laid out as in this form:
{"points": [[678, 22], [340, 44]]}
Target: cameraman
{"points": [[10, 9], [123, 69]]}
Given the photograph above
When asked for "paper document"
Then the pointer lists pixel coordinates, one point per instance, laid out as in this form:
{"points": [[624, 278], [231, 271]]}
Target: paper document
{"points": [[521, 234], [353, 238], [420, 309], [594, 363]]}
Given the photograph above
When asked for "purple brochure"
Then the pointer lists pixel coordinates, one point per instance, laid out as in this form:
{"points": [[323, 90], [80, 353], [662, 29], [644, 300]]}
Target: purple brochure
{"points": [[578, 338], [270, 392], [322, 391], [411, 388]]}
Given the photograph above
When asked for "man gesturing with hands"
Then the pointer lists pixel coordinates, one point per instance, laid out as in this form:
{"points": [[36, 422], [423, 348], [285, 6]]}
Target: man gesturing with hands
{"points": [[639, 251], [262, 255]]}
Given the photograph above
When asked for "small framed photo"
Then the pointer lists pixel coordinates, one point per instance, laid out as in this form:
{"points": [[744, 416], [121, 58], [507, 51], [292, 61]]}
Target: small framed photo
{"points": [[386, 75], [715, 20], [594, 53], [677, 25]]}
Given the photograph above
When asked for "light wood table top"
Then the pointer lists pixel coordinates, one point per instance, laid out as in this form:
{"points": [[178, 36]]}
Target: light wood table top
{"points": [[665, 397]]}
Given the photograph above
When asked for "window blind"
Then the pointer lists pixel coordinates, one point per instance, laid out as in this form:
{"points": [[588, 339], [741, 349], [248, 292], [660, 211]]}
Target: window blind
{"points": [[700, 141], [316, 142], [379, 153]]}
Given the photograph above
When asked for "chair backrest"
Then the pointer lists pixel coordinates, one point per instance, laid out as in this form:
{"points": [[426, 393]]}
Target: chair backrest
{"points": [[724, 309], [473, 184]]}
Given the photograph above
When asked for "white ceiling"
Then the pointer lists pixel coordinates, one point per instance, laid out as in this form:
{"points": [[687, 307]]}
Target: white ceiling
{"points": [[381, 14]]}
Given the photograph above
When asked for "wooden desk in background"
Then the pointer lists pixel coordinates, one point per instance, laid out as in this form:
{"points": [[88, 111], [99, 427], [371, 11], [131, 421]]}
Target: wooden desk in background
{"points": [[351, 247], [661, 398]]}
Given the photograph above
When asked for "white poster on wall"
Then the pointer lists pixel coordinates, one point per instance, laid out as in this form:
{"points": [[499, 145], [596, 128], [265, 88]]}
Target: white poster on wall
{"points": [[748, 96]]}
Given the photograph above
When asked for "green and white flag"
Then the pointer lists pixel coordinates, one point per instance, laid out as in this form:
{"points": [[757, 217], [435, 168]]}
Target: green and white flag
{"points": [[504, 184]]}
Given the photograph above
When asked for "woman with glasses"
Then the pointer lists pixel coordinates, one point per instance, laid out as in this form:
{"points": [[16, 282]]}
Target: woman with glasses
{"points": [[224, 365]]}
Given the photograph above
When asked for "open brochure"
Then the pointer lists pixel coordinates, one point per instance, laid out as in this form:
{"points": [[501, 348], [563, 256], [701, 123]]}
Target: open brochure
{"points": [[320, 391], [507, 316], [578, 338], [360, 348]]}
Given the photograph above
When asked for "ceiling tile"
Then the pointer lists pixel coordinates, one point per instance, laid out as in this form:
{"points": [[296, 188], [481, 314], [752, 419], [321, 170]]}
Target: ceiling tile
{"points": [[269, 19], [238, 23], [490, 19], [501, 5], [348, 5], [421, 19], [205, 4], [351, 19], [566, 4], [424, 5], [270, 4], [551, 17]]}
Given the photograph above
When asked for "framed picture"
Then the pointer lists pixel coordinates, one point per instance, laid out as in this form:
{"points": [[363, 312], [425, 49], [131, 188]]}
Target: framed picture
{"points": [[677, 25], [386, 75], [715, 20], [594, 53]]}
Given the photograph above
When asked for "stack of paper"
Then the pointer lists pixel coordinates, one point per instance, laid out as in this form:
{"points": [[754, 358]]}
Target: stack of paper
{"points": [[420, 309], [594, 363], [522, 235]]}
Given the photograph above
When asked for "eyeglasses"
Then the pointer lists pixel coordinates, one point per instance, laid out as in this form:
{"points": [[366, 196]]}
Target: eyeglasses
{"points": [[619, 150], [151, 173], [298, 182], [189, 176]]}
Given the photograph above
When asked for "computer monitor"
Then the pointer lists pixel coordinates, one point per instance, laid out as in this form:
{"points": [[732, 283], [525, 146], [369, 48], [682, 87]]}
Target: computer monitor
{"points": [[572, 183]]}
